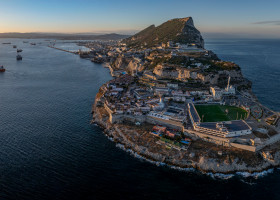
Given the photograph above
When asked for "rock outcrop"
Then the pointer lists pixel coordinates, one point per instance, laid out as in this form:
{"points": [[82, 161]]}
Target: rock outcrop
{"points": [[183, 74], [131, 65], [180, 30], [141, 143]]}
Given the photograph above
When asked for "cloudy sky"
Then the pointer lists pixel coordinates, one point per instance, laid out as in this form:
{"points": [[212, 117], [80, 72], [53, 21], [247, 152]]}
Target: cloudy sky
{"points": [[248, 18]]}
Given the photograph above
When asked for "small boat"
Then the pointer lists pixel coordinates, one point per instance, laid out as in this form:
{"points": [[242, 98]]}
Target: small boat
{"points": [[2, 69], [19, 50], [19, 57], [33, 43], [14, 46], [25, 41]]}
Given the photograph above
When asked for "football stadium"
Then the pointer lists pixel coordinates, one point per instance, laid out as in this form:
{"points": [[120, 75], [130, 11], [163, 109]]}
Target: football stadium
{"points": [[217, 113], [218, 120]]}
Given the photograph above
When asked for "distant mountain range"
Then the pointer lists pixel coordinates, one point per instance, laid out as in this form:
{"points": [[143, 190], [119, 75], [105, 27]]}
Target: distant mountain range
{"points": [[179, 30], [62, 36]]}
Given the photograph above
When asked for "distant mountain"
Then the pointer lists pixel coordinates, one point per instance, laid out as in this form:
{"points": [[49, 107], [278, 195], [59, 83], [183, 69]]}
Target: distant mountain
{"points": [[180, 30], [61, 36]]}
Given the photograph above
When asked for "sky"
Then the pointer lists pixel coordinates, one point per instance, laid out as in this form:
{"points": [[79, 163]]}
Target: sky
{"points": [[253, 18]]}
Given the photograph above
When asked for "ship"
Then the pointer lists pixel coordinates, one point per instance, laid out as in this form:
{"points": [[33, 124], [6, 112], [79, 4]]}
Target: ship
{"points": [[19, 50], [2, 69], [14, 46], [6, 43], [19, 57]]}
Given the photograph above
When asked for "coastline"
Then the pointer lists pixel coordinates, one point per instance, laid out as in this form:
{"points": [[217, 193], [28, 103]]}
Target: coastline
{"points": [[205, 162], [153, 108]]}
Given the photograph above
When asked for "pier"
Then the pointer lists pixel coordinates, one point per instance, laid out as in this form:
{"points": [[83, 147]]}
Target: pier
{"points": [[74, 52]]}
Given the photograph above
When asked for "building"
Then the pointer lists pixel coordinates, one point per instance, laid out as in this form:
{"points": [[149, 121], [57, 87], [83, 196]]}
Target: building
{"points": [[229, 90], [216, 92], [227, 129], [173, 85]]}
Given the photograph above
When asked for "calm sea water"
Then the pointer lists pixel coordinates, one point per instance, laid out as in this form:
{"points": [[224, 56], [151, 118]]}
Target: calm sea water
{"points": [[49, 150]]}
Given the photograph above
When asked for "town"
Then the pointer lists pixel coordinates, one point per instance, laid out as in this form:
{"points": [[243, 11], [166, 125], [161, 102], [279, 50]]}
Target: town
{"points": [[184, 93], [147, 96], [168, 85]]}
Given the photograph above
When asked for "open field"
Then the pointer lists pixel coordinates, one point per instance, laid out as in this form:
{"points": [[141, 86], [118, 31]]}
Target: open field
{"points": [[215, 113]]}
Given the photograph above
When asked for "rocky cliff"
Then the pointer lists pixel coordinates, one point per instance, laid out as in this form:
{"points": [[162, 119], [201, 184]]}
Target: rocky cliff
{"points": [[180, 30], [129, 64], [183, 74], [140, 142]]}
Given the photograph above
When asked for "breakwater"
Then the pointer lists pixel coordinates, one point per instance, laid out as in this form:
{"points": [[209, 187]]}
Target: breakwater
{"points": [[74, 52]]}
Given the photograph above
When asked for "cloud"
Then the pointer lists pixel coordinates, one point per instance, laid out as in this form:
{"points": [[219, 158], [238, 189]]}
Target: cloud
{"points": [[276, 22]]}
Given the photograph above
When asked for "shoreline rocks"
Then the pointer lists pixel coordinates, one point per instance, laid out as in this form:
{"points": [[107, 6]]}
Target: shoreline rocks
{"points": [[145, 146]]}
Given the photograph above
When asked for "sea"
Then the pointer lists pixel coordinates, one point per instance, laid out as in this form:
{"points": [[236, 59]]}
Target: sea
{"points": [[49, 149]]}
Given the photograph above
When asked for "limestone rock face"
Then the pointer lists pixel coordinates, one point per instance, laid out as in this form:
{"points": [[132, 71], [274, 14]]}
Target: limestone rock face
{"points": [[135, 65], [117, 62], [183, 74], [129, 64], [162, 72]]}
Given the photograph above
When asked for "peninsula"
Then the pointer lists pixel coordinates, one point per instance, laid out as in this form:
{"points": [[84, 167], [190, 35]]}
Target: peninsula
{"points": [[175, 102]]}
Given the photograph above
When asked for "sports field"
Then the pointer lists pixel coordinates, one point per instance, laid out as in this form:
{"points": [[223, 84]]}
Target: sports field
{"points": [[216, 113]]}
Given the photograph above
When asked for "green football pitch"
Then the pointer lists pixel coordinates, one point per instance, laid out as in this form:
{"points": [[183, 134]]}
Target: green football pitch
{"points": [[216, 113]]}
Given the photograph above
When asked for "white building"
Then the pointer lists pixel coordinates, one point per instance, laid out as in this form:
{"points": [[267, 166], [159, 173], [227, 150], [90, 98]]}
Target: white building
{"points": [[226, 129], [216, 92], [229, 89]]}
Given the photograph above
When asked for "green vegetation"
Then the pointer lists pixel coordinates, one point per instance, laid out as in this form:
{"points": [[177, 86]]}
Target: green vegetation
{"points": [[215, 113], [170, 142], [168, 31], [178, 60], [156, 61], [216, 66]]}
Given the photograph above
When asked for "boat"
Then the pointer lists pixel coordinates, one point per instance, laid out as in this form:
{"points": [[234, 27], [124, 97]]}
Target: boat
{"points": [[2, 69], [33, 43], [25, 41], [6, 43], [19, 50], [14, 46], [19, 57]]}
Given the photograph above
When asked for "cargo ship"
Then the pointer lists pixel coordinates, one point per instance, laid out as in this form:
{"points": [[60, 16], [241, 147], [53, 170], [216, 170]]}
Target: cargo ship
{"points": [[19, 57], [2, 69]]}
